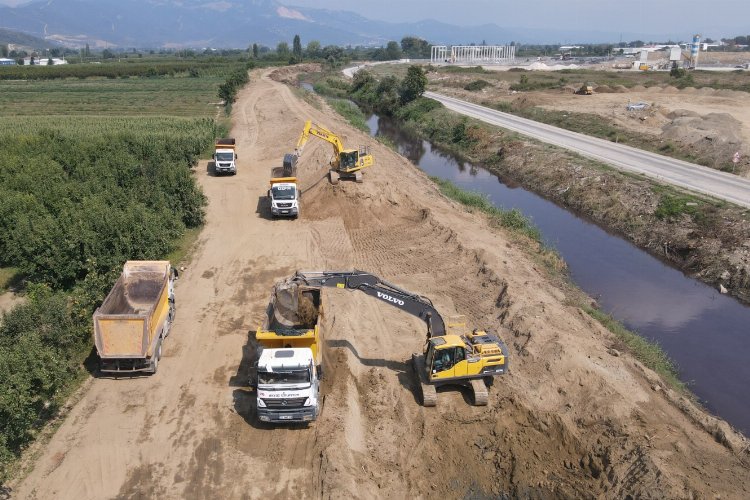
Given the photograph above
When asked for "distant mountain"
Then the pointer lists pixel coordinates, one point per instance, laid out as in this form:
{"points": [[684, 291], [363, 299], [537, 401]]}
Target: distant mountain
{"points": [[23, 40], [225, 23]]}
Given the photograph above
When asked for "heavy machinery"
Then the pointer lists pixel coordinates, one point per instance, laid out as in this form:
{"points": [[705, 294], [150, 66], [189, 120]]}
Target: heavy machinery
{"points": [[452, 355], [287, 370], [283, 193], [135, 318], [225, 156], [345, 163], [586, 89]]}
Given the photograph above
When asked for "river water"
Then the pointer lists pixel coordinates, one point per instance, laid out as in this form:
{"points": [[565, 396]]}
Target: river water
{"points": [[707, 334]]}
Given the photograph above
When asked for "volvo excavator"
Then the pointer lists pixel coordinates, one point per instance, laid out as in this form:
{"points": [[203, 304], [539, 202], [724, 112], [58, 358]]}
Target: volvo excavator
{"points": [[452, 355], [345, 163]]}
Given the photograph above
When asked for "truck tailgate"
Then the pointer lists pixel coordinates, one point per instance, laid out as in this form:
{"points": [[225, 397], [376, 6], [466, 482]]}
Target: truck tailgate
{"points": [[120, 337]]}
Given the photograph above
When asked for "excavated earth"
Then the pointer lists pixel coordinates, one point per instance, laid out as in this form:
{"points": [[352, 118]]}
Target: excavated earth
{"points": [[573, 419]]}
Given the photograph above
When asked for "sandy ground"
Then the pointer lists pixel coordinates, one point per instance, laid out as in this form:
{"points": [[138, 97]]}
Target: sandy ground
{"points": [[8, 301], [573, 419]]}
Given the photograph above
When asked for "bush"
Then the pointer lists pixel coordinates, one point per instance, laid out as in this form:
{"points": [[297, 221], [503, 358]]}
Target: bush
{"points": [[477, 85], [235, 81]]}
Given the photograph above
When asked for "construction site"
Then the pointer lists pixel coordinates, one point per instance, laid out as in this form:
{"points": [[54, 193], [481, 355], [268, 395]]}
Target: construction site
{"points": [[554, 406]]}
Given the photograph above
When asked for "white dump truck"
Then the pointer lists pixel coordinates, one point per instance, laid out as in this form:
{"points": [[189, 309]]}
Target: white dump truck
{"points": [[135, 318], [284, 194], [287, 373], [225, 156]]}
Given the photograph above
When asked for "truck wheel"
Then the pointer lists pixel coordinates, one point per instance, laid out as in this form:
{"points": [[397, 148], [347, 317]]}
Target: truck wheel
{"points": [[157, 357]]}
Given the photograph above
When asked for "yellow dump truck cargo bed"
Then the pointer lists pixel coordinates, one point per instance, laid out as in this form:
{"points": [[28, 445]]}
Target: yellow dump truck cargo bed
{"points": [[135, 315]]}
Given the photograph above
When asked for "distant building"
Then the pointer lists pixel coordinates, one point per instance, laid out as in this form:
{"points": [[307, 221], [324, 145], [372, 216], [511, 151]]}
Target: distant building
{"points": [[43, 61], [7, 62]]}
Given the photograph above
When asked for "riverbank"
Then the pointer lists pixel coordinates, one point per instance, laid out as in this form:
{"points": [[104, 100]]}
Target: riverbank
{"points": [[710, 240]]}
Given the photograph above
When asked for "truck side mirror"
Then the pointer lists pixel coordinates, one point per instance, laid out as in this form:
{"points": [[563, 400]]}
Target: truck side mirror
{"points": [[235, 156], [213, 156]]}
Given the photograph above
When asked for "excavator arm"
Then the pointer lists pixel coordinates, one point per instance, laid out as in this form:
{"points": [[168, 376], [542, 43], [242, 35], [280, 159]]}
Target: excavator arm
{"points": [[321, 133], [411, 303]]}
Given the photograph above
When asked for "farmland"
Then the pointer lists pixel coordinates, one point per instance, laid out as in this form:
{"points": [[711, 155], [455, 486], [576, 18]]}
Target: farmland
{"points": [[93, 172]]}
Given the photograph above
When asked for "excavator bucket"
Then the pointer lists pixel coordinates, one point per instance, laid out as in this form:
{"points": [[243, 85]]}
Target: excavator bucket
{"points": [[286, 303], [293, 305]]}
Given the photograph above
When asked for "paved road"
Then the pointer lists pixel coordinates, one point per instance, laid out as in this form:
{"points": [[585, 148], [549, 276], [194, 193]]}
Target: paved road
{"points": [[667, 170]]}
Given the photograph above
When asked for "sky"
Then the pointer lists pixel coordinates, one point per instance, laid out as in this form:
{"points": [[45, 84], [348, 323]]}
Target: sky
{"points": [[711, 17], [715, 18]]}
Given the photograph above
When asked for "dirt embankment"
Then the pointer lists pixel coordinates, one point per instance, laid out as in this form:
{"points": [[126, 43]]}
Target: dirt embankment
{"points": [[573, 419]]}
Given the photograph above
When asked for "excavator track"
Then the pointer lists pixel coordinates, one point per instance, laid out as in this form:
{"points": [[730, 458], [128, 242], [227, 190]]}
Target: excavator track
{"points": [[427, 390], [481, 395]]}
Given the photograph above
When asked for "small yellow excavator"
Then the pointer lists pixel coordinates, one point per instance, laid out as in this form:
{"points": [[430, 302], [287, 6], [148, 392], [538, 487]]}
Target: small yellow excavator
{"points": [[452, 356], [345, 163]]}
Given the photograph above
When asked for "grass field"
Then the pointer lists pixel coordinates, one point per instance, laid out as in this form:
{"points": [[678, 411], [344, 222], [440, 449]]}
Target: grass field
{"points": [[174, 96]]}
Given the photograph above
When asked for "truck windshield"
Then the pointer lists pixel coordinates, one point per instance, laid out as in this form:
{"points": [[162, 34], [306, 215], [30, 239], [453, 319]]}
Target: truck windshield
{"points": [[288, 377], [224, 156], [283, 192]]}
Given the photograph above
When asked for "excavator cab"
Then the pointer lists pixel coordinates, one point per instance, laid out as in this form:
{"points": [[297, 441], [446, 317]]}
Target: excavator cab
{"points": [[348, 159]]}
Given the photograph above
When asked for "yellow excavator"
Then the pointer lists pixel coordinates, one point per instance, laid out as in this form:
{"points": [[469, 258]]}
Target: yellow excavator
{"points": [[345, 163], [453, 355]]}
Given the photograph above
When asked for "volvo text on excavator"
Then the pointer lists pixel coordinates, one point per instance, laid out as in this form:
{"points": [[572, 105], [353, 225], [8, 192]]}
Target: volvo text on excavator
{"points": [[345, 163], [453, 355]]}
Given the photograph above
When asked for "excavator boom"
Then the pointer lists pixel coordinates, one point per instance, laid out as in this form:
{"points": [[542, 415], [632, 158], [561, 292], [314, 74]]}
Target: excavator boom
{"points": [[388, 292], [321, 133]]}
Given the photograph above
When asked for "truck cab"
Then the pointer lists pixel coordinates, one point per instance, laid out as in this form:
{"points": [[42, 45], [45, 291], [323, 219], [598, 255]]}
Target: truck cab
{"points": [[287, 385], [284, 198], [284, 195], [225, 157]]}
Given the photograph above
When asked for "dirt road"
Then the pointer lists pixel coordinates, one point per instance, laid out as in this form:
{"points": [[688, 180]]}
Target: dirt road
{"points": [[570, 420]]}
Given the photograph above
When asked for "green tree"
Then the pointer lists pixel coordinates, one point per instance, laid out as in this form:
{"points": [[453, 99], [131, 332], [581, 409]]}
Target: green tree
{"points": [[313, 49], [108, 54], [4, 50], [392, 51], [282, 50], [413, 85], [87, 51], [297, 48], [50, 62], [255, 50], [415, 47]]}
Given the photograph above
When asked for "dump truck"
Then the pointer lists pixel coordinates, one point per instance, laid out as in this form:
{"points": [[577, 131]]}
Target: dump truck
{"points": [[136, 316], [284, 194], [288, 368], [225, 156]]}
